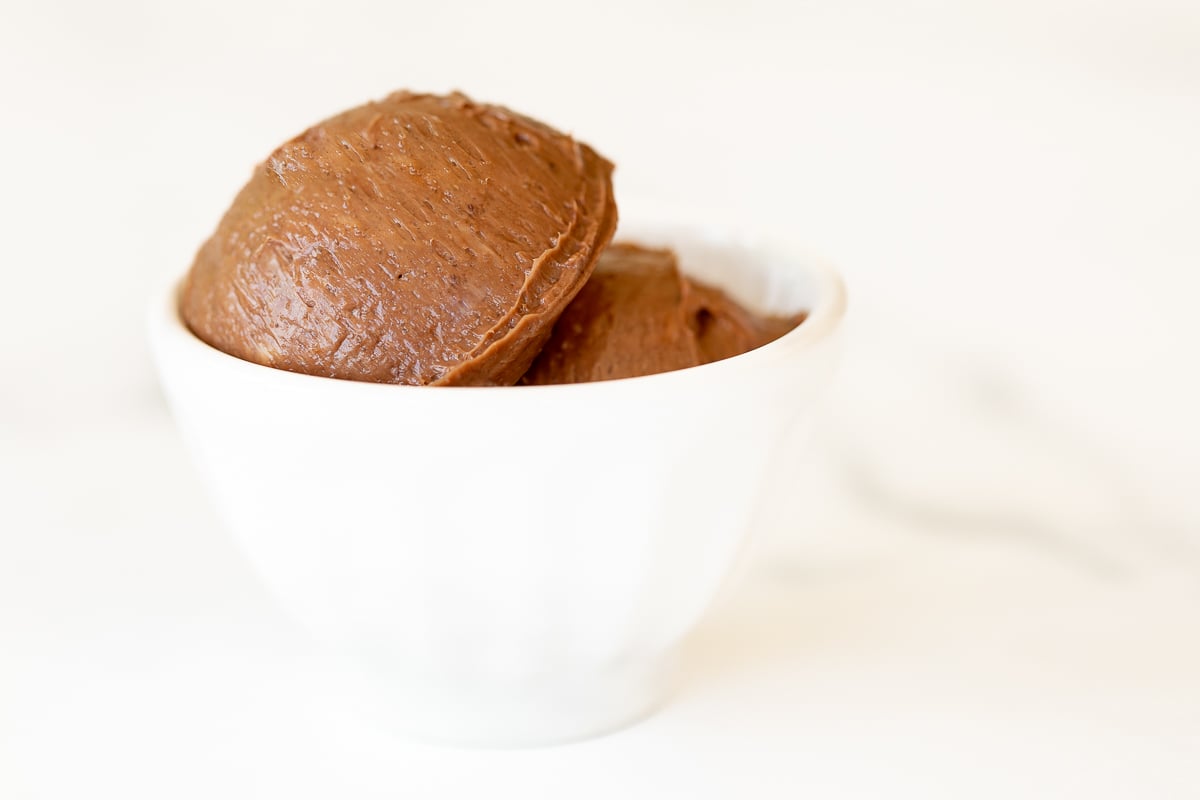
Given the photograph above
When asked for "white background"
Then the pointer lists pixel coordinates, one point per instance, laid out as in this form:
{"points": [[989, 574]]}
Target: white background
{"points": [[990, 583]]}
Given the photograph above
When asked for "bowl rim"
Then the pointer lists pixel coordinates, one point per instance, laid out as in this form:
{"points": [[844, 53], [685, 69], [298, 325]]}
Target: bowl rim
{"points": [[166, 328]]}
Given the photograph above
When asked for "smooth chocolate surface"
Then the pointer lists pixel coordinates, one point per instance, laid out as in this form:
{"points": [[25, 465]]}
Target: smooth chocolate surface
{"points": [[419, 239], [639, 315]]}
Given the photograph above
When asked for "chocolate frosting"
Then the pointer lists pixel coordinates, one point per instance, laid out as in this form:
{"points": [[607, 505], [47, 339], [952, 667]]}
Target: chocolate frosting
{"points": [[639, 315], [418, 239]]}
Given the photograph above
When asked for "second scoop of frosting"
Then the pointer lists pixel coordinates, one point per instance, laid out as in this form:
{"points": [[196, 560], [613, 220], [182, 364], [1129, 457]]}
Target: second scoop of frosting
{"points": [[639, 315]]}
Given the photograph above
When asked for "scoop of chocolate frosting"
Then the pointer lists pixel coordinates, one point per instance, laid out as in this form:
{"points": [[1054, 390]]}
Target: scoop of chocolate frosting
{"points": [[419, 239], [638, 315]]}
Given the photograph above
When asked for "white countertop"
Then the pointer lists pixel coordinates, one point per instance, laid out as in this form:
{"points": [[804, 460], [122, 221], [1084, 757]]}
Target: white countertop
{"points": [[989, 585]]}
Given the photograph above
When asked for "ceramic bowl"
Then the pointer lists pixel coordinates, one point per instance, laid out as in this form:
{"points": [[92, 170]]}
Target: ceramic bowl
{"points": [[517, 565]]}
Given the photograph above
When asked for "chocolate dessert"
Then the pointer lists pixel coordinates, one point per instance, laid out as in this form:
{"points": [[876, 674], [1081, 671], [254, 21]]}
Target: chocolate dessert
{"points": [[419, 239], [639, 315]]}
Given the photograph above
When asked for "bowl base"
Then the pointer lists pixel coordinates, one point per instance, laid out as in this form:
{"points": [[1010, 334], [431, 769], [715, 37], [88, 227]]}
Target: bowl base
{"points": [[549, 711]]}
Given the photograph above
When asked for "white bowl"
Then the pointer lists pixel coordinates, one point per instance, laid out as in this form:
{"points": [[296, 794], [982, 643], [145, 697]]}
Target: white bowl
{"points": [[516, 565]]}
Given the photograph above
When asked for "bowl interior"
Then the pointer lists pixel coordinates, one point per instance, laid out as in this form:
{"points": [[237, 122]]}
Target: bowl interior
{"points": [[752, 270]]}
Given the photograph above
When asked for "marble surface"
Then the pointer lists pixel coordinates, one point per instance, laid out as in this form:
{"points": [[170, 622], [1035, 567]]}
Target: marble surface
{"points": [[985, 579]]}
